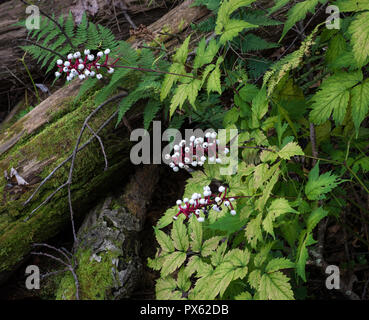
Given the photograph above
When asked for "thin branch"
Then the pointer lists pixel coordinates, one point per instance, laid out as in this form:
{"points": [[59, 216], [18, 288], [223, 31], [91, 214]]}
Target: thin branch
{"points": [[69, 158], [71, 213], [124, 9], [313, 144], [101, 145], [53, 248], [51, 257], [68, 267], [42, 276], [128, 18], [27, 87], [72, 157], [45, 201]]}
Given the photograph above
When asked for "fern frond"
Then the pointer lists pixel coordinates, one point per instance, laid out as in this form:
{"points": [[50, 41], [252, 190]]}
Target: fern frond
{"points": [[141, 92], [43, 25], [52, 64], [51, 36], [205, 26], [258, 17], [257, 67], [81, 32], [126, 53], [69, 25], [106, 92], [146, 59], [252, 42], [46, 28], [152, 108], [108, 38], [93, 39], [34, 51]]}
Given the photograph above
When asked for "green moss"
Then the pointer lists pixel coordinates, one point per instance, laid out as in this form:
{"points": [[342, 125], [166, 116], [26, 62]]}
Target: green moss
{"points": [[57, 140], [50, 285], [95, 278]]}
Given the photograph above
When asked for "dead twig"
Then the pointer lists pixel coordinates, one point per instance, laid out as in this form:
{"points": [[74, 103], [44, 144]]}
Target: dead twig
{"points": [[124, 8], [101, 145], [69, 266], [70, 157]]}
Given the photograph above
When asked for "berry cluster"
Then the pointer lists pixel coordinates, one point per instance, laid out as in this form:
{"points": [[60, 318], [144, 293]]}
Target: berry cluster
{"points": [[87, 66], [196, 152], [205, 203]]}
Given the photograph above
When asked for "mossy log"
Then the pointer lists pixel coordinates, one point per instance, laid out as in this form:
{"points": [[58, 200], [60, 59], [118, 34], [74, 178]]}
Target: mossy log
{"points": [[35, 155], [44, 138]]}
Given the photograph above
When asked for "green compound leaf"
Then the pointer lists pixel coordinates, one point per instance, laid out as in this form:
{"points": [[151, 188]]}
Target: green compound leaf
{"points": [[195, 231], [275, 286], [209, 246], [164, 287], [277, 208], [205, 55], [164, 240], [183, 281], [182, 53], [290, 150], [360, 103], [233, 28], [172, 262], [333, 96], [359, 30], [318, 185], [278, 264], [306, 239], [179, 236]]}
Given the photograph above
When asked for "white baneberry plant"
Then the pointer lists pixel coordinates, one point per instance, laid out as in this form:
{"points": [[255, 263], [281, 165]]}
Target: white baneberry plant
{"points": [[85, 66], [196, 152], [201, 204]]}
